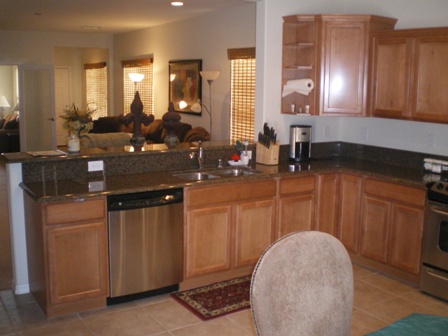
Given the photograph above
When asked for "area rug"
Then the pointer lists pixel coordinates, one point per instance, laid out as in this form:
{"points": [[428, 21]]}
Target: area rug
{"points": [[217, 299], [416, 325]]}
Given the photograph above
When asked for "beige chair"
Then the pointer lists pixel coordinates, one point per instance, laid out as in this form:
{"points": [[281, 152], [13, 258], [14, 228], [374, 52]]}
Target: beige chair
{"points": [[303, 285]]}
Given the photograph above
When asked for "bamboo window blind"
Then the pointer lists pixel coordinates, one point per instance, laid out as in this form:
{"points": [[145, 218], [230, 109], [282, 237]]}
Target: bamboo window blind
{"points": [[242, 93], [145, 88], [96, 88]]}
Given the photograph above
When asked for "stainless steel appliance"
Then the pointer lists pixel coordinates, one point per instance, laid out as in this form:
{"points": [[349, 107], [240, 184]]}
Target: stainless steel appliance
{"points": [[434, 273], [145, 243], [300, 143]]}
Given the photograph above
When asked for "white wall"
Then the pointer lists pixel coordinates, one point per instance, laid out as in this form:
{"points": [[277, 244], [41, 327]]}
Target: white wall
{"points": [[413, 136], [207, 38]]}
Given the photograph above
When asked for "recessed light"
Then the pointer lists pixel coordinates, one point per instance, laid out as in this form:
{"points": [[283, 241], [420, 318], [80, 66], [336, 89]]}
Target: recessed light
{"points": [[177, 3]]}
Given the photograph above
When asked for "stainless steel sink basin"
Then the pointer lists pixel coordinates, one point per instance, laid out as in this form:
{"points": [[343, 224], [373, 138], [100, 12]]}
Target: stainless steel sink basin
{"points": [[196, 176], [234, 172]]}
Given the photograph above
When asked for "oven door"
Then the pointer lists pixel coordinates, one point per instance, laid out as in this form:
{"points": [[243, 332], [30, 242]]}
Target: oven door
{"points": [[435, 236]]}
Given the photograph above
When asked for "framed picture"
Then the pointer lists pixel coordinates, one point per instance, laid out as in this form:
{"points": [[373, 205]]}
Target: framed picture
{"points": [[185, 85]]}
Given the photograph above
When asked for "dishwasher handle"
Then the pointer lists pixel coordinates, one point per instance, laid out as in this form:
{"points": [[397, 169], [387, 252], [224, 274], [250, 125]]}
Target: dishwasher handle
{"points": [[144, 200]]}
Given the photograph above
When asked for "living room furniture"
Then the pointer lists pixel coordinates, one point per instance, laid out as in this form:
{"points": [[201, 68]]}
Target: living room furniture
{"points": [[155, 132], [9, 134]]}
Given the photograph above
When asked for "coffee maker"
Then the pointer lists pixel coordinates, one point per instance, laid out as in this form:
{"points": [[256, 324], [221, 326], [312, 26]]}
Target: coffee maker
{"points": [[300, 143]]}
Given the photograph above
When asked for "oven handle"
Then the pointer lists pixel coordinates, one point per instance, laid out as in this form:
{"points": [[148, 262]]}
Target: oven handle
{"points": [[440, 212], [430, 272]]}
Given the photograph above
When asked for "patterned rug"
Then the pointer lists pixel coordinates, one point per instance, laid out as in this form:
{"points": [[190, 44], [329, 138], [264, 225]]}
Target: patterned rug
{"points": [[217, 299]]}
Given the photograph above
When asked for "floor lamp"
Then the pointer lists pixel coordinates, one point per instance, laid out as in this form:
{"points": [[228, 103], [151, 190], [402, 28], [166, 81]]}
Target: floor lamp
{"points": [[209, 76]]}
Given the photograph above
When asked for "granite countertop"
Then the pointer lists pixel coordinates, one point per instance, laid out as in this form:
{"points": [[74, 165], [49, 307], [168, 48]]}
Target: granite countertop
{"points": [[55, 190]]}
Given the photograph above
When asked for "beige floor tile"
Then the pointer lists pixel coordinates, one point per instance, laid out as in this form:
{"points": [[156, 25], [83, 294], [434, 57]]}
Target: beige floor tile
{"points": [[363, 323], [428, 301], [77, 328], [215, 327], [243, 319], [361, 272], [26, 316], [154, 299], [108, 310], [171, 315], [381, 281], [366, 295], [130, 322], [396, 309]]}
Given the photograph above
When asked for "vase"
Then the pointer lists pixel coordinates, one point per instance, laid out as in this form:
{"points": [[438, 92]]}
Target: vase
{"points": [[73, 143]]}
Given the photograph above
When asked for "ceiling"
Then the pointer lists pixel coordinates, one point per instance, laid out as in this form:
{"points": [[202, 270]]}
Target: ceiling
{"points": [[101, 16]]}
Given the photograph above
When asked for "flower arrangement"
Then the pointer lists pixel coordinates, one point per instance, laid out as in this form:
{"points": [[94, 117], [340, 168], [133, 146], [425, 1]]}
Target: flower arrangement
{"points": [[76, 120]]}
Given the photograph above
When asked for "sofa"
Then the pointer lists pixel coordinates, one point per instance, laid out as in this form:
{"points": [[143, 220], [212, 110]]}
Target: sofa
{"points": [[9, 134], [153, 133]]}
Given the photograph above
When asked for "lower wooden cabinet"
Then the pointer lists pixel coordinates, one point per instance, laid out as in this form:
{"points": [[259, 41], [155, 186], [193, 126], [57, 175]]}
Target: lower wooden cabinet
{"points": [[296, 210], [392, 224], [67, 254], [227, 228], [349, 216], [328, 203]]}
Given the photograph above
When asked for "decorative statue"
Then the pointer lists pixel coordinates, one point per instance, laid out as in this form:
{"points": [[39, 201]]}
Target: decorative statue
{"points": [[171, 123], [137, 117]]}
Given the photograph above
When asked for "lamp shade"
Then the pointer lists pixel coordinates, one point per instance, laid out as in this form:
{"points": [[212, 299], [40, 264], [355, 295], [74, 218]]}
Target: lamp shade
{"points": [[196, 107], [136, 77], [210, 75], [4, 102]]}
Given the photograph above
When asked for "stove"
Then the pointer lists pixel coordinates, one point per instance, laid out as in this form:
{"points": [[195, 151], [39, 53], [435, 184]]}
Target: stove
{"points": [[434, 272]]}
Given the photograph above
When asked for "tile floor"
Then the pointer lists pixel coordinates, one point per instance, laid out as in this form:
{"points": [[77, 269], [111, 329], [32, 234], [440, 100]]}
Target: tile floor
{"points": [[378, 302]]}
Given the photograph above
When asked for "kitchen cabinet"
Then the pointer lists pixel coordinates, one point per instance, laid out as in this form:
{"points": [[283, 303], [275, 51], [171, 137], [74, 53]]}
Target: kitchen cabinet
{"points": [[392, 224], [227, 228], [332, 51], [327, 203], [407, 78], [350, 188], [297, 198], [67, 254]]}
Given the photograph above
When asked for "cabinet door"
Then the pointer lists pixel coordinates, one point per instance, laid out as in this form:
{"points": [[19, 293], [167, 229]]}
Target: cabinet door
{"points": [[207, 240], [431, 99], [327, 204], [406, 238], [254, 230], [296, 213], [349, 213], [375, 228], [391, 77], [77, 259], [344, 68]]}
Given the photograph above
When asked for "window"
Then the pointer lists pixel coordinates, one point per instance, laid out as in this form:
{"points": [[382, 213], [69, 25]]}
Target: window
{"points": [[96, 88], [242, 93], [145, 88]]}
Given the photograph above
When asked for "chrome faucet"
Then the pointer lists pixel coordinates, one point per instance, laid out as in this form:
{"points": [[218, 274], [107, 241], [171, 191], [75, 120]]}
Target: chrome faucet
{"points": [[199, 155]]}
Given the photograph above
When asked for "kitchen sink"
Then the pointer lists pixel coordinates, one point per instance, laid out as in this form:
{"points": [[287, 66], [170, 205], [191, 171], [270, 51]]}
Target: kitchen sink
{"points": [[235, 172], [216, 173], [196, 176]]}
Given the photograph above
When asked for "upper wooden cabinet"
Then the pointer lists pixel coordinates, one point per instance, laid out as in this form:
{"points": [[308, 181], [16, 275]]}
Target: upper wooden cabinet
{"points": [[332, 51], [407, 74]]}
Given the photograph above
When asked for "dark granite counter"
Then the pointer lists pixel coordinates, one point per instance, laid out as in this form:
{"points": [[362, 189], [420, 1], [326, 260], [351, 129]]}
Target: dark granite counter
{"points": [[59, 189], [125, 171]]}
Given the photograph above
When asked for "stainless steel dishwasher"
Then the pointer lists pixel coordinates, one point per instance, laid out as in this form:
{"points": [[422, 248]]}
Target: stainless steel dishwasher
{"points": [[145, 243]]}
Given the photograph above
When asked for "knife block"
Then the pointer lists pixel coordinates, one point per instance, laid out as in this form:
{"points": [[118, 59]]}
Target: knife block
{"points": [[267, 156]]}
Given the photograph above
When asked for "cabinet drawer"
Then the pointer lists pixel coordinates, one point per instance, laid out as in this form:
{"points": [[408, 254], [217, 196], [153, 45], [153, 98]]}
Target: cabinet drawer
{"points": [[296, 185], [61, 213], [395, 192], [232, 192]]}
